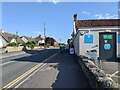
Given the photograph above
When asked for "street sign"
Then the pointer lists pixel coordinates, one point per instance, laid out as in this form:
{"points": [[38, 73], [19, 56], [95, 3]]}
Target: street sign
{"points": [[88, 38]]}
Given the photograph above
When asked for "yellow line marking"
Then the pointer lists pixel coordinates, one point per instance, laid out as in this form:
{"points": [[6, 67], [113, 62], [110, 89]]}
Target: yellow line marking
{"points": [[23, 76], [15, 81]]}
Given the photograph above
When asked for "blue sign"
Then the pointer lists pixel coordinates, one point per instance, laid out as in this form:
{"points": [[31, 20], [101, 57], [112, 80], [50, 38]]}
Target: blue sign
{"points": [[88, 38], [107, 46], [118, 38]]}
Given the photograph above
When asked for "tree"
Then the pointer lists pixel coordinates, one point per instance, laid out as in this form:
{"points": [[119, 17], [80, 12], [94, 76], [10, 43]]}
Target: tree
{"points": [[69, 41], [30, 44], [16, 36]]}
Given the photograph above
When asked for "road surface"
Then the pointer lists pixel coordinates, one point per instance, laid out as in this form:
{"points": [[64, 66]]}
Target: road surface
{"points": [[12, 68], [61, 71]]}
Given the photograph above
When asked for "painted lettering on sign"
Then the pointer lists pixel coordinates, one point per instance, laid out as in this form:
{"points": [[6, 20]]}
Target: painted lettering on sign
{"points": [[106, 37]]}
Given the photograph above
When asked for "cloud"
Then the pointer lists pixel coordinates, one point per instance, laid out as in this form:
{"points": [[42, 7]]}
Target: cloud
{"points": [[39, 1], [106, 16], [54, 1], [84, 12]]}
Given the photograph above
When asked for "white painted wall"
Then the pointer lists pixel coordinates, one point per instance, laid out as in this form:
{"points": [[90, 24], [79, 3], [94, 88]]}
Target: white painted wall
{"points": [[2, 42], [24, 39], [88, 46], [81, 47], [13, 40], [77, 45], [41, 41]]}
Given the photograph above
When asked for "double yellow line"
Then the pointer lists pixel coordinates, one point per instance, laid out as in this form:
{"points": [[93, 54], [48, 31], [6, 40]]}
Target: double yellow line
{"points": [[11, 84]]}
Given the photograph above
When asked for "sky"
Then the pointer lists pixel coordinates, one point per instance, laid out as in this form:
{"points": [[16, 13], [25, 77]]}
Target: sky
{"points": [[28, 17]]}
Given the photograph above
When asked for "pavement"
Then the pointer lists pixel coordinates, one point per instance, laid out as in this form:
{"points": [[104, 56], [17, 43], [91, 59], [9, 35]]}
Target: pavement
{"points": [[5, 55], [61, 71], [9, 54], [14, 66]]}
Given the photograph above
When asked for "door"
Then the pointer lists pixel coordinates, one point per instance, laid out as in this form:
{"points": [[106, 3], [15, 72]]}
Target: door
{"points": [[107, 46]]}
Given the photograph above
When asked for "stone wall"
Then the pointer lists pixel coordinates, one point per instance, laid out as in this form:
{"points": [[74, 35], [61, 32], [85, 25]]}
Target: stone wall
{"points": [[96, 77]]}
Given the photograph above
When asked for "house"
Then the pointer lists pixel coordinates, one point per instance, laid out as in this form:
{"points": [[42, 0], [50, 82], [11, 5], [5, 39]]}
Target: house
{"points": [[87, 37], [51, 41], [39, 40], [47, 41], [26, 39], [6, 38], [3, 41]]}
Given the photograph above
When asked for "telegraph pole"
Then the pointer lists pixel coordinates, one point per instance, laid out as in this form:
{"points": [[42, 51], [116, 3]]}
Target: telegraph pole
{"points": [[60, 40], [44, 34]]}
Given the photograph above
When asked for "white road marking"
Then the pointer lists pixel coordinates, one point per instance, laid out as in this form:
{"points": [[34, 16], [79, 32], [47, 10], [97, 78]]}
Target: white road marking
{"points": [[113, 75]]}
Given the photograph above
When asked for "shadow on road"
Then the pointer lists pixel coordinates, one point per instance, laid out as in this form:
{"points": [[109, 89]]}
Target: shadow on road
{"points": [[37, 55], [70, 74]]}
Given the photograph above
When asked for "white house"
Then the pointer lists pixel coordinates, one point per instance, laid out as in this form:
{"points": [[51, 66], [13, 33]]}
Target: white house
{"points": [[26, 39], [6, 38], [3, 41], [40, 40], [87, 33]]}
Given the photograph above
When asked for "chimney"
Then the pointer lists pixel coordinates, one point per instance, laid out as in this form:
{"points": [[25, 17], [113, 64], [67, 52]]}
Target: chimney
{"points": [[74, 25], [39, 35], [75, 17], [1, 30]]}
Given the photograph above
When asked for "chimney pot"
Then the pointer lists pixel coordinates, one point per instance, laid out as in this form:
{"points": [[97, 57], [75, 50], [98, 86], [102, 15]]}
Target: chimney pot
{"points": [[2, 30], [75, 17]]}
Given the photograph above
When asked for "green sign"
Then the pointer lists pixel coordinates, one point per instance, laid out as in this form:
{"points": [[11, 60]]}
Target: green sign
{"points": [[107, 36]]}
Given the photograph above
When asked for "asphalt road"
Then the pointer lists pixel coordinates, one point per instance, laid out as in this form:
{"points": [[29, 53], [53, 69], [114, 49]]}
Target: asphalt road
{"points": [[17, 65], [61, 71], [15, 55]]}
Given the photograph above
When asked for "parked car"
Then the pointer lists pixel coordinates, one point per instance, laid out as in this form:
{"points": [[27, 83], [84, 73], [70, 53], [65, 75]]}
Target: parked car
{"points": [[71, 50]]}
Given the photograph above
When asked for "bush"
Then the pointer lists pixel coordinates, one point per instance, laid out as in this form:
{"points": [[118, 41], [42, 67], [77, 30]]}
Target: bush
{"points": [[54, 45], [48, 45], [13, 44], [31, 44]]}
